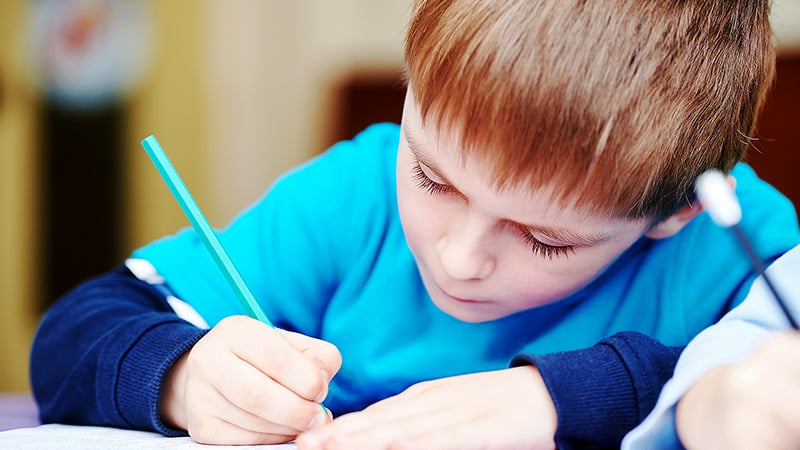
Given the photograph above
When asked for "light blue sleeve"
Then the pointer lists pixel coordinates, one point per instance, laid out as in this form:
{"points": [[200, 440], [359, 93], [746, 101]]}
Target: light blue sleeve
{"points": [[732, 339]]}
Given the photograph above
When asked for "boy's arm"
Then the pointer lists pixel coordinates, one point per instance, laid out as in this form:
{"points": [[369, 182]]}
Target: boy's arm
{"points": [[727, 343], [602, 392], [101, 352]]}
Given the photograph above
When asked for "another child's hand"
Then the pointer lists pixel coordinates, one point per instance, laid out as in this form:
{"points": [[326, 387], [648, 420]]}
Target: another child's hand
{"points": [[754, 404], [508, 408], [246, 383]]}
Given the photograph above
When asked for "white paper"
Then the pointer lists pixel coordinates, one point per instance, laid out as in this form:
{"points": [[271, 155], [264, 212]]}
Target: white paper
{"points": [[70, 437]]}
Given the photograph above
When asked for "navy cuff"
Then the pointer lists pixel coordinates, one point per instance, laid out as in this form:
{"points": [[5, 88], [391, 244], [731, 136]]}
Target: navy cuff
{"points": [[142, 372], [602, 392]]}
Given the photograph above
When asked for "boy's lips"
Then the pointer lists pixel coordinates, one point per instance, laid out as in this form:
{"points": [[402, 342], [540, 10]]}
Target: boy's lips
{"points": [[462, 300]]}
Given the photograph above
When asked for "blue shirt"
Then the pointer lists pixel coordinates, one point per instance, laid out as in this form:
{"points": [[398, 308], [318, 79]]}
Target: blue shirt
{"points": [[325, 255]]}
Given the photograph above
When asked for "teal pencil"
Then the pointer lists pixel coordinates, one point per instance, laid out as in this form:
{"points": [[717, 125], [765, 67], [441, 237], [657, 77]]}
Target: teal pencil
{"points": [[203, 228]]}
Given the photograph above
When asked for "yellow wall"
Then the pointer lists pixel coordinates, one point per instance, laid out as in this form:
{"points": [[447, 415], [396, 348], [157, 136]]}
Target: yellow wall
{"points": [[169, 104], [17, 208]]}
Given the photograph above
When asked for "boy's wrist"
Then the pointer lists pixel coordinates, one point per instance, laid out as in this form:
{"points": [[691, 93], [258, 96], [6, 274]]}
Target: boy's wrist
{"points": [[172, 401], [544, 410]]}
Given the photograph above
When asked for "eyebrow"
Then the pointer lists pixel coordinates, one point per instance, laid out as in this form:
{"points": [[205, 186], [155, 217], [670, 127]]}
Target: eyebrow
{"points": [[563, 235]]}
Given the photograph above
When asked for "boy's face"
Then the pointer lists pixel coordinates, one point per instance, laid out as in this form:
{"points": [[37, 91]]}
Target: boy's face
{"points": [[484, 254]]}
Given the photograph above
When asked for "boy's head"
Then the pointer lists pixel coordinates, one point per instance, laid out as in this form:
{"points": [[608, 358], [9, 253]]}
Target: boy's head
{"points": [[614, 105]]}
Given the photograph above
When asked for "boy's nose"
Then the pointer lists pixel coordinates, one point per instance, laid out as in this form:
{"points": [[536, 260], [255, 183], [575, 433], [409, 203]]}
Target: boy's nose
{"points": [[464, 253]]}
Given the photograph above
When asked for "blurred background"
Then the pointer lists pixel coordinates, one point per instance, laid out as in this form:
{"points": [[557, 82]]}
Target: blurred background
{"points": [[237, 92]]}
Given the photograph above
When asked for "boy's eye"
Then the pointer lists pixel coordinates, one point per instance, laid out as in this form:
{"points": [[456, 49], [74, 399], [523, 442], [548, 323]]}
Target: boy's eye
{"points": [[538, 247], [545, 250], [424, 182]]}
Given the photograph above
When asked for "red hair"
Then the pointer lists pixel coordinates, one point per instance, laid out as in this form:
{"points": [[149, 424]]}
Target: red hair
{"points": [[617, 104]]}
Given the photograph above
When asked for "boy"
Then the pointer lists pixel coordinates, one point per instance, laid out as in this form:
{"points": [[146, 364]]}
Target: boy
{"points": [[737, 385], [536, 199]]}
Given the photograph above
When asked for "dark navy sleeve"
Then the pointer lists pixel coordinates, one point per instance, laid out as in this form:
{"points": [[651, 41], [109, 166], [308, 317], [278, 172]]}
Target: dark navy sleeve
{"points": [[602, 392], [100, 353]]}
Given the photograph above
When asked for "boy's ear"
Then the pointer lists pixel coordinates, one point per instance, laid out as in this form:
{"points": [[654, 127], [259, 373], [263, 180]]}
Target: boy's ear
{"points": [[674, 223]]}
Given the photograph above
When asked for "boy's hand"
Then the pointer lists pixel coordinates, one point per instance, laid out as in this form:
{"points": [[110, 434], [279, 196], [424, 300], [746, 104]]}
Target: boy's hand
{"points": [[508, 408], [246, 383], [748, 405]]}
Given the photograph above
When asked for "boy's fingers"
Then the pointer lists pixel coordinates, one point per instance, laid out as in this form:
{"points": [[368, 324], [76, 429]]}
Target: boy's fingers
{"points": [[208, 425], [261, 399], [221, 432], [270, 351]]}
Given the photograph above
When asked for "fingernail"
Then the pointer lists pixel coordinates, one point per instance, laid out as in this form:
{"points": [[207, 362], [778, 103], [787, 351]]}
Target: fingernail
{"points": [[319, 419], [325, 375]]}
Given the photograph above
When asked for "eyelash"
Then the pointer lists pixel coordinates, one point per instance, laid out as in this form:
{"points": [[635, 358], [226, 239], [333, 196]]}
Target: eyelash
{"points": [[426, 184], [546, 251], [537, 247]]}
